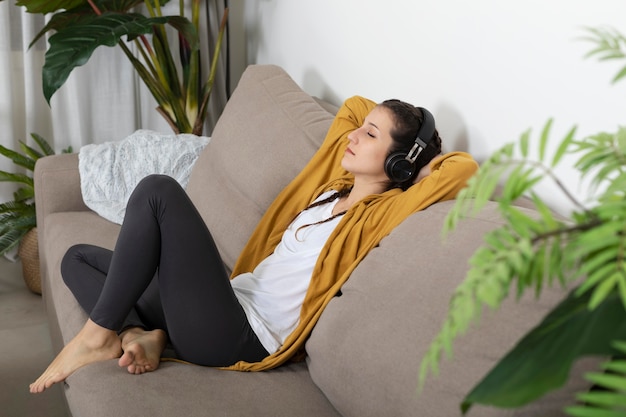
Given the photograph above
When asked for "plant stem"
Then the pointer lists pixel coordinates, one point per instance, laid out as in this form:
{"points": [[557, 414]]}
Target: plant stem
{"points": [[195, 13], [567, 230], [158, 8], [146, 58], [150, 8], [554, 178], [168, 119], [94, 7], [206, 94]]}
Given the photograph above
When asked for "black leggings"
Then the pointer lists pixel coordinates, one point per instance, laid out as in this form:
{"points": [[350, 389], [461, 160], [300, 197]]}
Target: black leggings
{"points": [[165, 273]]}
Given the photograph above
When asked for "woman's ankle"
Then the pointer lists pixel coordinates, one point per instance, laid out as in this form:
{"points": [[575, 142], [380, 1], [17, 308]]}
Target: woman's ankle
{"points": [[98, 336]]}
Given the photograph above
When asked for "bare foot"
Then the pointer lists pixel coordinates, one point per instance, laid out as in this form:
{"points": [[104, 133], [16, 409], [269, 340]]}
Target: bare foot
{"points": [[92, 344], [142, 349]]}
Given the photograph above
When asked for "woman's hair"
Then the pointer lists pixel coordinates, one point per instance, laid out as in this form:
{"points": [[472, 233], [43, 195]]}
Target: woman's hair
{"points": [[332, 197], [407, 122]]}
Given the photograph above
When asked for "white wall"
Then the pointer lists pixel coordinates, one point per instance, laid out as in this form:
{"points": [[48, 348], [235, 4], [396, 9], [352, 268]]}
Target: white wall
{"points": [[487, 69]]}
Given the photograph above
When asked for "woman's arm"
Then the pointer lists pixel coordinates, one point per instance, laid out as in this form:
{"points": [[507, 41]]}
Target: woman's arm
{"points": [[350, 116], [442, 178]]}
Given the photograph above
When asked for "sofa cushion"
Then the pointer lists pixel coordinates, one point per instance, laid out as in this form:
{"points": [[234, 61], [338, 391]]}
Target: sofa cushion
{"points": [[365, 351], [103, 389], [266, 134]]}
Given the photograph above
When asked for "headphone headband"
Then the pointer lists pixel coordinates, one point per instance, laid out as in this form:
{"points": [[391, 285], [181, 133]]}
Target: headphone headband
{"points": [[424, 135]]}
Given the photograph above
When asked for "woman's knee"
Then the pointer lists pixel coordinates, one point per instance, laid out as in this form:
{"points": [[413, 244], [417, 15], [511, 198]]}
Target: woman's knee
{"points": [[157, 182], [74, 256], [83, 255], [154, 185]]}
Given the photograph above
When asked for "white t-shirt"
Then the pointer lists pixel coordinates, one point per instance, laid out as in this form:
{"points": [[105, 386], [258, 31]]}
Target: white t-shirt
{"points": [[272, 294]]}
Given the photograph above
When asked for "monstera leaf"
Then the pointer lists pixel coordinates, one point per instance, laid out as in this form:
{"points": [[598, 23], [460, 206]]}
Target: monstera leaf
{"points": [[73, 45], [49, 6]]}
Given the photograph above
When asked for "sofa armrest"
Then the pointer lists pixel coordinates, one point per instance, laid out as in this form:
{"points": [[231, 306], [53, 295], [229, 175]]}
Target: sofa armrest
{"points": [[57, 186], [57, 189]]}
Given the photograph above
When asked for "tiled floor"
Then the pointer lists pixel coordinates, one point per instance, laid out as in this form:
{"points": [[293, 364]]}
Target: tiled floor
{"points": [[25, 349]]}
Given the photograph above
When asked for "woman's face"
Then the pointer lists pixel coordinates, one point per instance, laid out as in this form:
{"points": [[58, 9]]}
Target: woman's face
{"points": [[369, 146]]}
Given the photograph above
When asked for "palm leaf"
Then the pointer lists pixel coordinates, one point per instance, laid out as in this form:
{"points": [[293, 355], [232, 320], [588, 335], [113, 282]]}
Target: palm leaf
{"points": [[11, 239], [20, 178], [563, 147], [31, 153], [621, 74], [16, 221], [602, 154], [18, 158], [43, 144], [24, 194], [16, 208], [610, 45], [608, 398]]}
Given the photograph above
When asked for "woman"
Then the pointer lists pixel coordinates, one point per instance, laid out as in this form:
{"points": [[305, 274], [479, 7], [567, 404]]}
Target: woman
{"points": [[354, 191]]}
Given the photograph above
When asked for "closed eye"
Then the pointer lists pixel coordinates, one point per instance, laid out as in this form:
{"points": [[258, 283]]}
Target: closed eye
{"points": [[372, 130]]}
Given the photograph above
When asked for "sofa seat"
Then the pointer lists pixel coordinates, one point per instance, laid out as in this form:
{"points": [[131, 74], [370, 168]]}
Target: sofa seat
{"points": [[193, 391]]}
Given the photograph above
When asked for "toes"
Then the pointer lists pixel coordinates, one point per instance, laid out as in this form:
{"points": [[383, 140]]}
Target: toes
{"points": [[136, 369], [44, 382], [127, 360]]}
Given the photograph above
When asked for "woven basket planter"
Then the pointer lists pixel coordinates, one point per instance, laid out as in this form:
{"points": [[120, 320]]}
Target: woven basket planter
{"points": [[28, 252]]}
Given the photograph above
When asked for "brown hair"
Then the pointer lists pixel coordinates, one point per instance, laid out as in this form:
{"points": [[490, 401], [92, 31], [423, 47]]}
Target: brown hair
{"points": [[332, 197], [408, 120]]}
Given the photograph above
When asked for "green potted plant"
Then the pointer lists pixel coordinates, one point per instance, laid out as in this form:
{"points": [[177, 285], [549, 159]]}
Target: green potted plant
{"points": [[81, 26], [585, 250], [17, 217]]}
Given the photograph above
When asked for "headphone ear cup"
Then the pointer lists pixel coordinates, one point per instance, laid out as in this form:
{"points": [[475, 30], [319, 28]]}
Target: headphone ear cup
{"points": [[398, 168]]}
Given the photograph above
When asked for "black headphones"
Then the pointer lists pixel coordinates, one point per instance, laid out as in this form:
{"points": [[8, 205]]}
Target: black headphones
{"points": [[400, 166]]}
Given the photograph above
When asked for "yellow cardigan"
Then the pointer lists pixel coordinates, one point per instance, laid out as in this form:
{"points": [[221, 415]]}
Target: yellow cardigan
{"points": [[360, 229]]}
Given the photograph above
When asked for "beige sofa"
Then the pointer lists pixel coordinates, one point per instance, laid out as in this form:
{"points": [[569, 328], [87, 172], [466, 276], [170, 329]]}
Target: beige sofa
{"points": [[364, 354]]}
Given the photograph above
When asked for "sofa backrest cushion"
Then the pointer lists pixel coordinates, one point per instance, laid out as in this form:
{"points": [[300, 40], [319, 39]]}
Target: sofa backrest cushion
{"points": [[266, 134], [365, 351]]}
